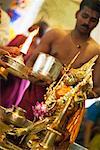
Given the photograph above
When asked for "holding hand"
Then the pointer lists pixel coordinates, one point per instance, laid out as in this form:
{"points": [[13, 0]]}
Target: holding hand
{"points": [[12, 51]]}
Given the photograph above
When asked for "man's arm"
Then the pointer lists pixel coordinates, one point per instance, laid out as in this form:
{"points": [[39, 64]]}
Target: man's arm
{"points": [[44, 46], [9, 50]]}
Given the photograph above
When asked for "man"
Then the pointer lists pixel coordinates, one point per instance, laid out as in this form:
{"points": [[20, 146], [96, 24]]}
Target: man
{"points": [[64, 45]]}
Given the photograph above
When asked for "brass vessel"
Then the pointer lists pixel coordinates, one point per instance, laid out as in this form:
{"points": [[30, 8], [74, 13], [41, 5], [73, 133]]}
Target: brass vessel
{"points": [[14, 115]]}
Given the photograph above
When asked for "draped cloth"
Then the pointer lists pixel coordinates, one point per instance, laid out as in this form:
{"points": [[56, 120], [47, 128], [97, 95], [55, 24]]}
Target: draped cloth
{"points": [[20, 92], [12, 90]]}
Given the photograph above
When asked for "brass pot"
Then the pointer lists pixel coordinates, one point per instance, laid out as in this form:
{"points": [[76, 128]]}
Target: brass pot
{"points": [[14, 115]]}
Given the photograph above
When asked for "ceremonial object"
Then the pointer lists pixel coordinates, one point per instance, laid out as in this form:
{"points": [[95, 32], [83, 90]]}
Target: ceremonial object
{"points": [[46, 67], [16, 65], [58, 127]]}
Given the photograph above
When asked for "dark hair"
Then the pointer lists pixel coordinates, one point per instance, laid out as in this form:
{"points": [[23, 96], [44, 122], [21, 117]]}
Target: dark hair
{"points": [[42, 27], [42, 23], [93, 4]]}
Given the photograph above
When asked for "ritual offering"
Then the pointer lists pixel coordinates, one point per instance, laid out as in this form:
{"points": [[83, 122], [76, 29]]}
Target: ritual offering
{"points": [[57, 120], [16, 65]]}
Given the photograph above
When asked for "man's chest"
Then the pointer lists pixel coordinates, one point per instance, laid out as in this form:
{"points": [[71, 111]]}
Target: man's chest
{"points": [[65, 51]]}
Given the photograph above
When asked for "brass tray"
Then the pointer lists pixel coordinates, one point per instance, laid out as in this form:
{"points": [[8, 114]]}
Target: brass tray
{"points": [[16, 67]]}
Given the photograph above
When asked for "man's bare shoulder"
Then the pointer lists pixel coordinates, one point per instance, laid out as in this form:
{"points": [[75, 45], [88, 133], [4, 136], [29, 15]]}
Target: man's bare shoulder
{"points": [[95, 46], [53, 35], [58, 32]]}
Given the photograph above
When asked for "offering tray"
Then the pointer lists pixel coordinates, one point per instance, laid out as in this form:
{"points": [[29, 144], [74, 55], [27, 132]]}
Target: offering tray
{"points": [[16, 66]]}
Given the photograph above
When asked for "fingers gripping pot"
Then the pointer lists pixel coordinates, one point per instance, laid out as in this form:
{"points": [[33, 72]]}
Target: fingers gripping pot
{"points": [[46, 68]]}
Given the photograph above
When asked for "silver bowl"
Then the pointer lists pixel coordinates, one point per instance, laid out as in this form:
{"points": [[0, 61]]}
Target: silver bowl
{"points": [[46, 68]]}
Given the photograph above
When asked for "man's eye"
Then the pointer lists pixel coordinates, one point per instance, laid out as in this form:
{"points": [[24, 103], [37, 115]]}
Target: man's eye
{"points": [[94, 20], [84, 15]]}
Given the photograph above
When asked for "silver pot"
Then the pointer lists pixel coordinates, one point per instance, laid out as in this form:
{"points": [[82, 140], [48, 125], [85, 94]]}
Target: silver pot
{"points": [[46, 67]]}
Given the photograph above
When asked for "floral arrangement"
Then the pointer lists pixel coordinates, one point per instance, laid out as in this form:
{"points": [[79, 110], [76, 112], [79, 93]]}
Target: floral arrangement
{"points": [[39, 110]]}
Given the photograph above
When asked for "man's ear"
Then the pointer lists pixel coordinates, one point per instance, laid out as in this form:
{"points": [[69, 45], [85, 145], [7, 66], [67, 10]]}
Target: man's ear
{"points": [[76, 14]]}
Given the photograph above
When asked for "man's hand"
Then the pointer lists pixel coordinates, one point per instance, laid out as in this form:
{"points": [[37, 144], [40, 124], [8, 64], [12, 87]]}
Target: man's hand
{"points": [[3, 52], [2, 63], [12, 51]]}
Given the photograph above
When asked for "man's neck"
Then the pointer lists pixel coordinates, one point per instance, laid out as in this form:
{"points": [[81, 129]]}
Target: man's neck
{"points": [[80, 37]]}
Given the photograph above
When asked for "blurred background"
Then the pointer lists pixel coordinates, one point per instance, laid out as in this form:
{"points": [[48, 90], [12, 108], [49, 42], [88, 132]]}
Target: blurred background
{"points": [[57, 13]]}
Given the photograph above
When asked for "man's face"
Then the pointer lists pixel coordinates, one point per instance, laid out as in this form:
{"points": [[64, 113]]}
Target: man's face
{"points": [[87, 19]]}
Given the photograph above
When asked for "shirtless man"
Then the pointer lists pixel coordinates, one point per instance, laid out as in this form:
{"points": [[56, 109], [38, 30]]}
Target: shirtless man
{"points": [[64, 45]]}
